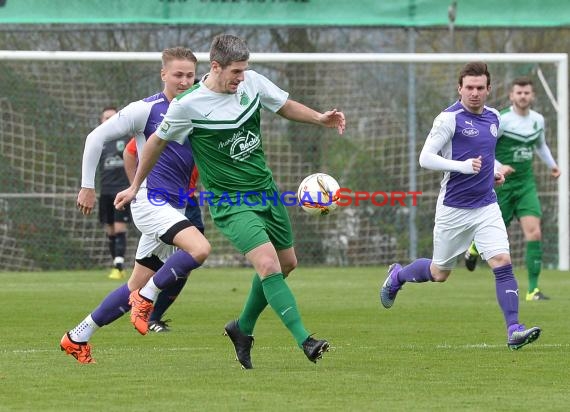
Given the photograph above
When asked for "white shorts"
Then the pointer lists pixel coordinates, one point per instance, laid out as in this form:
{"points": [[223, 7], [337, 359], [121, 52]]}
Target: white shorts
{"points": [[154, 221], [456, 228]]}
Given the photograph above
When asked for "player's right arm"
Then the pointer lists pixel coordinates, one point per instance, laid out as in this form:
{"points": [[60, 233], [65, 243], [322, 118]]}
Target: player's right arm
{"points": [[441, 133], [121, 124]]}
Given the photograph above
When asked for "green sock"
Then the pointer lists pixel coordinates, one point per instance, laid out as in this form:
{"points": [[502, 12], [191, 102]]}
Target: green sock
{"points": [[254, 305], [281, 299], [533, 260], [473, 249]]}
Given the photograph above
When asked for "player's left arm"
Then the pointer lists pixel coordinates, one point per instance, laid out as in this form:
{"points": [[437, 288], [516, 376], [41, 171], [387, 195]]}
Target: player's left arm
{"points": [[543, 151], [293, 110], [440, 134], [130, 159]]}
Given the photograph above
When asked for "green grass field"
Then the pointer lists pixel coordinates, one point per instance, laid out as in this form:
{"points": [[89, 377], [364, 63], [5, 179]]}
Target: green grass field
{"points": [[442, 347]]}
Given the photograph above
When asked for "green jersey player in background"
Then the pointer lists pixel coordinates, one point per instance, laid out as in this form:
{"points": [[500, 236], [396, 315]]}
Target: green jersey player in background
{"points": [[221, 118], [522, 133]]}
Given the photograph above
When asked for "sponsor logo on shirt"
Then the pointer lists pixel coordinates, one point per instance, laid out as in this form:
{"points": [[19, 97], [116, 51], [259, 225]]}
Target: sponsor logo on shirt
{"points": [[522, 154], [244, 145], [470, 132]]}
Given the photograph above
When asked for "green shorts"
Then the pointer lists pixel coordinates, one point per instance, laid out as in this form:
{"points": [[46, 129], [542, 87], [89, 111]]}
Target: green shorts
{"points": [[252, 223], [518, 200]]}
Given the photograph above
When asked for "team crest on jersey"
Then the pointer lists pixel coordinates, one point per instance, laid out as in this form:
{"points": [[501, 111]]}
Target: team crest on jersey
{"points": [[164, 127], [243, 145], [493, 130], [120, 145], [243, 99]]}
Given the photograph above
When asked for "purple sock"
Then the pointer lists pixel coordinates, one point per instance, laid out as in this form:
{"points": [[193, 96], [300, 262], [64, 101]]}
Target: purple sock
{"points": [[417, 272], [178, 266], [115, 305], [507, 293]]}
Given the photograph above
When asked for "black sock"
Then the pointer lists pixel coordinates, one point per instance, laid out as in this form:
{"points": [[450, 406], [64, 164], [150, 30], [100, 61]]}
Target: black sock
{"points": [[112, 241], [120, 247]]}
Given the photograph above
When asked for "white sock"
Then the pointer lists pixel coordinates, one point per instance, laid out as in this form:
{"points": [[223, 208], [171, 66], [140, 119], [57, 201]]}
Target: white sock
{"points": [[150, 291], [84, 331]]}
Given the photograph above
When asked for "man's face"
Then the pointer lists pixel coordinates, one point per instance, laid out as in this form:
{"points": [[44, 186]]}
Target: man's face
{"points": [[230, 77], [178, 76], [106, 115], [474, 92], [521, 96]]}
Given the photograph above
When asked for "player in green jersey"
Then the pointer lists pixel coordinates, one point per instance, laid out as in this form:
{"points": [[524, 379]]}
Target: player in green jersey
{"points": [[522, 133], [221, 119]]}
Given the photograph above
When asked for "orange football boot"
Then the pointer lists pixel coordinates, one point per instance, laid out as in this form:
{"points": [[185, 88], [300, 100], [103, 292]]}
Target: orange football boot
{"points": [[141, 309], [79, 350]]}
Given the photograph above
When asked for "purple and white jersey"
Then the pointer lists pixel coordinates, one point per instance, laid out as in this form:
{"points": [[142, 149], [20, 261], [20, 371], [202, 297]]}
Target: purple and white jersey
{"points": [[459, 135], [140, 119]]}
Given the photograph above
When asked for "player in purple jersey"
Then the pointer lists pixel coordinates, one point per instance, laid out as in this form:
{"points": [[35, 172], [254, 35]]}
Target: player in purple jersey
{"points": [[170, 245], [462, 144]]}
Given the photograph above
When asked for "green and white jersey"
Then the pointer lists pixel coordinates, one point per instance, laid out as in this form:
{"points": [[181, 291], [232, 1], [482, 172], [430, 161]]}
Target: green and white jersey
{"points": [[225, 132], [519, 136]]}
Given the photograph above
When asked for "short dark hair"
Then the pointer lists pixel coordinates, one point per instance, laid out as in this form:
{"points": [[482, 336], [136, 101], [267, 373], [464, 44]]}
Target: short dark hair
{"points": [[475, 69], [113, 108], [522, 81], [226, 49]]}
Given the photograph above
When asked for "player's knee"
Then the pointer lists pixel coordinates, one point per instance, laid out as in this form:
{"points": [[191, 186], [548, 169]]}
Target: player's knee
{"points": [[201, 251], [439, 277], [438, 274], [534, 234], [502, 259], [267, 266], [288, 266]]}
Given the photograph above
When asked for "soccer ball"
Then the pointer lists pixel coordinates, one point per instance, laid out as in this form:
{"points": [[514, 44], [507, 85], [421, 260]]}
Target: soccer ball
{"points": [[318, 194]]}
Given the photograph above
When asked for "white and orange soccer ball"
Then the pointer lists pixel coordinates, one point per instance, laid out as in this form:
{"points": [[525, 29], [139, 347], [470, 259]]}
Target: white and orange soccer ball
{"points": [[318, 194]]}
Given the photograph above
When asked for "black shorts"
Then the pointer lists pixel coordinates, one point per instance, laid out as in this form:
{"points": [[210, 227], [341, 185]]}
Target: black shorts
{"points": [[109, 215], [194, 215]]}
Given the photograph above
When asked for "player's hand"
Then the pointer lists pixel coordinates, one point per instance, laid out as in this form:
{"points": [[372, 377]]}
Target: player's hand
{"points": [[334, 118], [476, 164], [86, 200], [506, 170], [499, 179], [555, 172], [124, 198]]}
